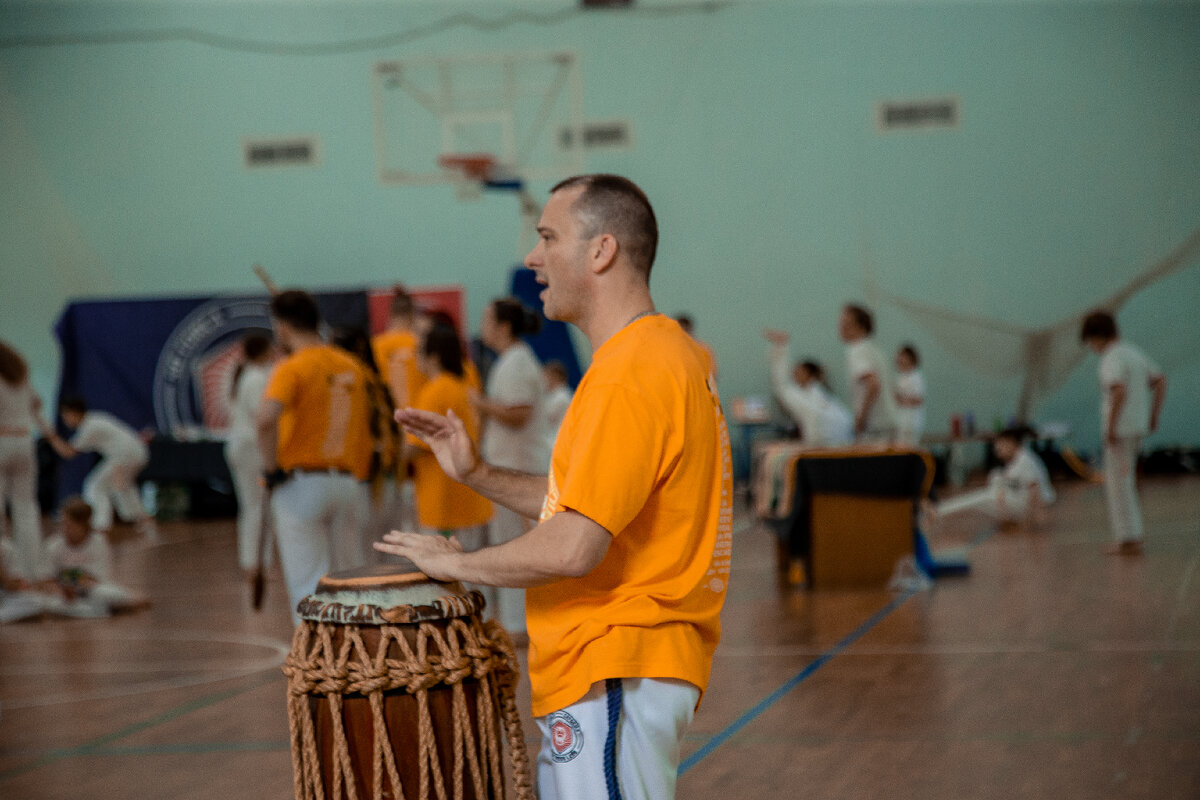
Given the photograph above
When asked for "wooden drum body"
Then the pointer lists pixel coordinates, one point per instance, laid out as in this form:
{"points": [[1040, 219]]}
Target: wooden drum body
{"points": [[396, 689]]}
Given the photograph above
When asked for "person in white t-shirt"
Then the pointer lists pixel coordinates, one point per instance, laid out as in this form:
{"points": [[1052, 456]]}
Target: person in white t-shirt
{"points": [[556, 400], [513, 435], [1018, 491], [20, 409], [870, 379], [1132, 391], [241, 447], [78, 568], [113, 481], [909, 395], [823, 420]]}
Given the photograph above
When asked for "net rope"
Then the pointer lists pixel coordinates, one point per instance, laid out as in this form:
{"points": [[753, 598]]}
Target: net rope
{"points": [[1043, 356], [438, 657]]}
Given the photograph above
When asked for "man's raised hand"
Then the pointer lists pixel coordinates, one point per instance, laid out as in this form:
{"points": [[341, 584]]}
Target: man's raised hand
{"points": [[446, 436]]}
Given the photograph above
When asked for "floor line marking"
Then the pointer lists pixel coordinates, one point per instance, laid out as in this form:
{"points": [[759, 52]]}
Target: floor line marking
{"points": [[763, 705], [771, 699], [98, 745]]}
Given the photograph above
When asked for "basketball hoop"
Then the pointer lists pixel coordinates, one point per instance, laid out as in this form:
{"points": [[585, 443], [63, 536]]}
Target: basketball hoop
{"points": [[471, 170], [474, 172]]}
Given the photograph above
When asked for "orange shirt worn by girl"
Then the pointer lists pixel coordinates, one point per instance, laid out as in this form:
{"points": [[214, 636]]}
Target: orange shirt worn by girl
{"points": [[643, 451], [443, 503], [396, 356], [326, 408]]}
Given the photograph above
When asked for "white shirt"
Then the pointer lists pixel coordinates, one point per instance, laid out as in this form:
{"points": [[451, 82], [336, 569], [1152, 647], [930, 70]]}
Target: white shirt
{"points": [[554, 408], [1026, 469], [911, 384], [103, 433], [822, 419], [247, 395], [93, 557], [1127, 365], [516, 380], [16, 409], [862, 359]]}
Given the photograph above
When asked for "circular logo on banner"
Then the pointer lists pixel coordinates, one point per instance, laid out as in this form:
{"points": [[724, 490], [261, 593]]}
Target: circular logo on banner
{"points": [[566, 737], [195, 370]]}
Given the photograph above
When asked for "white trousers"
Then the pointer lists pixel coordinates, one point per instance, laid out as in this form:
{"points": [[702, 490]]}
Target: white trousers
{"points": [[114, 482], [320, 519], [622, 740], [507, 605], [18, 487], [245, 466], [1120, 489], [996, 500], [100, 601]]}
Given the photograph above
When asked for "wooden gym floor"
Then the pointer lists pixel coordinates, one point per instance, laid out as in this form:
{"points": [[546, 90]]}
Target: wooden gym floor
{"points": [[1051, 671]]}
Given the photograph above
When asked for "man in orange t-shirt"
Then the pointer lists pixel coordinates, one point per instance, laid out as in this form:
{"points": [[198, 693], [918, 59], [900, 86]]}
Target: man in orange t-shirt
{"points": [[315, 439], [627, 569]]}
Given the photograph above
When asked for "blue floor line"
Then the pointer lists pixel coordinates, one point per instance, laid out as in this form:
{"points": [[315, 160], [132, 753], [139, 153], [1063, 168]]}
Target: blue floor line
{"points": [[778, 694], [773, 698]]}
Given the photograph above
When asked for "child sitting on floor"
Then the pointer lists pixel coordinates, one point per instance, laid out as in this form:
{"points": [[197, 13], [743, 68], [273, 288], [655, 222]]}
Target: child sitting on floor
{"points": [[1018, 491], [79, 564]]}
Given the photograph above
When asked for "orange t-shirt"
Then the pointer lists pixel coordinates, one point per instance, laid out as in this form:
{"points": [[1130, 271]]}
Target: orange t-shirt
{"points": [[711, 356], [396, 356], [643, 451], [442, 502], [326, 411]]}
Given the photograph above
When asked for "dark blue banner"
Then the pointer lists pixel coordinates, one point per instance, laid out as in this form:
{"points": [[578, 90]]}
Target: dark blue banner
{"points": [[166, 366]]}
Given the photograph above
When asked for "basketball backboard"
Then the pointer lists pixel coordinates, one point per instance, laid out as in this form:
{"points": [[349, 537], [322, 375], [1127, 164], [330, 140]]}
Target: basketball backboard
{"points": [[513, 106]]}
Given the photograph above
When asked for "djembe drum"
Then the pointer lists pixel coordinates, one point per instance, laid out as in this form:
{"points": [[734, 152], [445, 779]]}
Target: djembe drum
{"points": [[396, 689]]}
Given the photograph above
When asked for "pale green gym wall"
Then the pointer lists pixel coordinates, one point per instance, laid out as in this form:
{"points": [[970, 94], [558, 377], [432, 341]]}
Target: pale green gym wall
{"points": [[1077, 164]]}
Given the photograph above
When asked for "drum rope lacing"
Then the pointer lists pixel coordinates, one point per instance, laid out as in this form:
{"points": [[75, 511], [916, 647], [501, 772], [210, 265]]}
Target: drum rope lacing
{"points": [[465, 648]]}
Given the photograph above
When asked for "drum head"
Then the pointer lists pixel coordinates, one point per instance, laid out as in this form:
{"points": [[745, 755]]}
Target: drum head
{"points": [[387, 594]]}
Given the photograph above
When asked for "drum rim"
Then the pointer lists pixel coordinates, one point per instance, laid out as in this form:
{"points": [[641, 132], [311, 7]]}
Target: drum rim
{"points": [[328, 602]]}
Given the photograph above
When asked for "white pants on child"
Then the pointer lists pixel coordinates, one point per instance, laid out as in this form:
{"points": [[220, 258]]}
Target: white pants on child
{"points": [[995, 500], [1120, 489], [114, 481], [621, 740]]}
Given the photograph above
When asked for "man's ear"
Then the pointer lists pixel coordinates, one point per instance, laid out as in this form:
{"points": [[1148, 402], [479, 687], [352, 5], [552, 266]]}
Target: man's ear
{"points": [[603, 252]]}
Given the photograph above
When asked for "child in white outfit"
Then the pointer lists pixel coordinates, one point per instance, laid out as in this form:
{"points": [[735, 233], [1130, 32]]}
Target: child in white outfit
{"points": [[1019, 490], [122, 456], [1133, 389], [909, 393], [823, 420], [79, 568]]}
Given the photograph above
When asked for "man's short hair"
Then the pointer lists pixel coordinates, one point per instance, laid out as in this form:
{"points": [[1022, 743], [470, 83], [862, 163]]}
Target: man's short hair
{"points": [[615, 205], [298, 309], [1098, 325], [862, 317]]}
